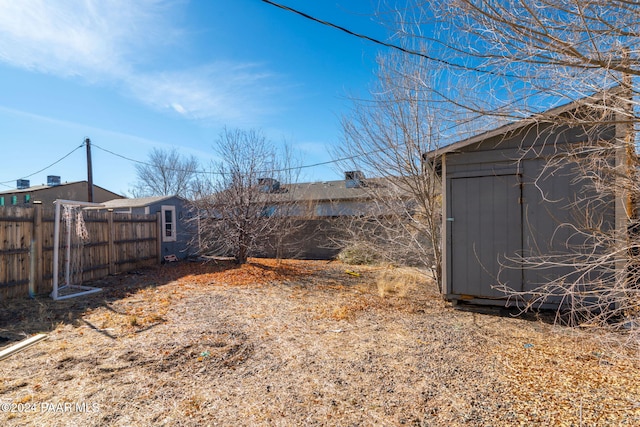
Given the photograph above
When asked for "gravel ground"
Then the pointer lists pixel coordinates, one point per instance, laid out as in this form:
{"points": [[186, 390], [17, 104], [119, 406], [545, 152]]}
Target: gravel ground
{"points": [[301, 343]]}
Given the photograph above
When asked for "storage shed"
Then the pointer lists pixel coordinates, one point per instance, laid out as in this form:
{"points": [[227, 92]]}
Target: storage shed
{"points": [[503, 201], [177, 235]]}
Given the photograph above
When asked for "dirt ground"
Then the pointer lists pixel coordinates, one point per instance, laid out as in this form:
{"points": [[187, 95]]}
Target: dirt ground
{"points": [[300, 343]]}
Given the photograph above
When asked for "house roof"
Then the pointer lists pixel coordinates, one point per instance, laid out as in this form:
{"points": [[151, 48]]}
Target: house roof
{"points": [[30, 189], [139, 202], [35, 188], [536, 118], [332, 190], [326, 190]]}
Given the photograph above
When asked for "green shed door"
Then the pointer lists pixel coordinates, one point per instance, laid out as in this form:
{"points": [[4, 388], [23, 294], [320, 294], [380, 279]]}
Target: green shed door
{"points": [[486, 228]]}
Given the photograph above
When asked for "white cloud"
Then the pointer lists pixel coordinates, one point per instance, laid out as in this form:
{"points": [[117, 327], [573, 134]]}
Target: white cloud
{"points": [[224, 92], [87, 38], [179, 108], [108, 41]]}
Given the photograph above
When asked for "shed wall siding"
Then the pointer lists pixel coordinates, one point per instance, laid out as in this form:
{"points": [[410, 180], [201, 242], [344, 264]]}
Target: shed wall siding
{"points": [[486, 255]]}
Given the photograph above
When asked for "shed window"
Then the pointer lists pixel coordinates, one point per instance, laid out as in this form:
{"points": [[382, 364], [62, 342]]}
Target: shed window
{"points": [[2, 201], [14, 200], [27, 198], [168, 223]]}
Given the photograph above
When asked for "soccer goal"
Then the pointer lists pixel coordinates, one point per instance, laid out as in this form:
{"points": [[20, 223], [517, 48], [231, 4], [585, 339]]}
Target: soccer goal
{"points": [[69, 236]]}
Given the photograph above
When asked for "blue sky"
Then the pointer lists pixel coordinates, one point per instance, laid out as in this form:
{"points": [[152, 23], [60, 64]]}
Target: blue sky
{"points": [[133, 75]]}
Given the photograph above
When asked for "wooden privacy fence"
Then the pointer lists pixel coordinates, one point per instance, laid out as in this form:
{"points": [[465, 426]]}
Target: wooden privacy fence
{"points": [[117, 243]]}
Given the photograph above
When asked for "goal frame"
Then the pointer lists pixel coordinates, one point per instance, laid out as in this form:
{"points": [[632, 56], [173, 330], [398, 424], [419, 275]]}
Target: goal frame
{"points": [[81, 290]]}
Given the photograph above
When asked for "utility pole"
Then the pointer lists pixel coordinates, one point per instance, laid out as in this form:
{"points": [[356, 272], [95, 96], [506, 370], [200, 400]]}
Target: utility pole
{"points": [[87, 143]]}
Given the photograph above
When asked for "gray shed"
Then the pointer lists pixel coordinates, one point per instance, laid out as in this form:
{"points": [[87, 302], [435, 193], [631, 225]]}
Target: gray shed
{"points": [[177, 235], [501, 202]]}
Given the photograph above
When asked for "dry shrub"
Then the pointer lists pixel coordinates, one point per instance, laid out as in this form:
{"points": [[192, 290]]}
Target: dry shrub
{"points": [[358, 254], [398, 281], [370, 293]]}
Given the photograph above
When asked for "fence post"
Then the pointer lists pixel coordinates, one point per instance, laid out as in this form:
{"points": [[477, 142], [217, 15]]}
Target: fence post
{"points": [[36, 267], [111, 249]]}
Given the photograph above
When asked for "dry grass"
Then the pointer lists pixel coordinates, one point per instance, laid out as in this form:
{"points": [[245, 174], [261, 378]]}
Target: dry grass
{"points": [[301, 343], [398, 281]]}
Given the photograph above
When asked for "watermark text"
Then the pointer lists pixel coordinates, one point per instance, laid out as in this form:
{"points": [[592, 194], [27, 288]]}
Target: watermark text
{"points": [[49, 407]]}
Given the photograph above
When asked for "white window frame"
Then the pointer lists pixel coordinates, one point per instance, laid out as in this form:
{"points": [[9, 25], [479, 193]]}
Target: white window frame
{"points": [[172, 235]]}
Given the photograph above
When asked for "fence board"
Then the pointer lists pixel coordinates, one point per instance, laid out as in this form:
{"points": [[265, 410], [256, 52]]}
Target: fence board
{"points": [[47, 230], [135, 241], [117, 243], [16, 228]]}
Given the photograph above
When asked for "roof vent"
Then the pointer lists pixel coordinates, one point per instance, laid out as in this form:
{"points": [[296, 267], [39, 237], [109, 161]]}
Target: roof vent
{"points": [[354, 179], [23, 184], [268, 185], [53, 180]]}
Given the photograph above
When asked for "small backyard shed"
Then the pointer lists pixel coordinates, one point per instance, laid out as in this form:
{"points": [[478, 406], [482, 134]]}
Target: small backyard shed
{"points": [[177, 236], [507, 195]]}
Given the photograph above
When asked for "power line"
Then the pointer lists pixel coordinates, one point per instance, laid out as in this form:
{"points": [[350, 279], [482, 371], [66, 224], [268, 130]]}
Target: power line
{"points": [[45, 168], [94, 145], [140, 162], [385, 44]]}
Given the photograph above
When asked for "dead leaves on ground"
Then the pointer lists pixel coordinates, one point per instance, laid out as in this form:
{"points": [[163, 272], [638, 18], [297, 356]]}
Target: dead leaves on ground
{"points": [[148, 306], [255, 272], [586, 385], [388, 332]]}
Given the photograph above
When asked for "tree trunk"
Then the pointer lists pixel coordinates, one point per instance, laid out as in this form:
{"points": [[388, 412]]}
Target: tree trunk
{"points": [[242, 255]]}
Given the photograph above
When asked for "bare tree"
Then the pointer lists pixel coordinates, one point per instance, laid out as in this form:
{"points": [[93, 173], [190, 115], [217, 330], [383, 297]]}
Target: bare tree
{"points": [[385, 138], [510, 59], [166, 173], [517, 58], [288, 213], [243, 203]]}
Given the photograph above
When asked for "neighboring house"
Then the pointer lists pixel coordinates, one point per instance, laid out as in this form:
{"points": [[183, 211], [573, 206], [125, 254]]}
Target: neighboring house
{"points": [[351, 197], [177, 238], [25, 194], [322, 212], [501, 201]]}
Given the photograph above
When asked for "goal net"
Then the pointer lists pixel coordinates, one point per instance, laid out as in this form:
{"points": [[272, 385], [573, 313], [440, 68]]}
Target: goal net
{"points": [[69, 237]]}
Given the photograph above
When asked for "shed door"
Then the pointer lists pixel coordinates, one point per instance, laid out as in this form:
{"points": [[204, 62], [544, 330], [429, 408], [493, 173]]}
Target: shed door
{"points": [[486, 225]]}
